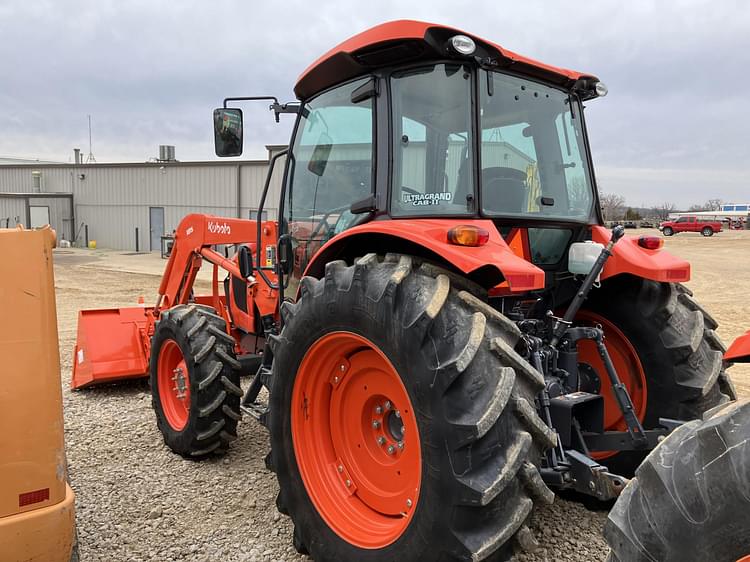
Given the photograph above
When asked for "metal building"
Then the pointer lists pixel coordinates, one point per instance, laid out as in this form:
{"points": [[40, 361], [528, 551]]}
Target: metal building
{"points": [[117, 200]]}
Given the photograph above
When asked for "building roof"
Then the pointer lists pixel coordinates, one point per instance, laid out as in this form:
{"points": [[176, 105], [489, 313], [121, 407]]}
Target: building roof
{"points": [[11, 161], [406, 40]]}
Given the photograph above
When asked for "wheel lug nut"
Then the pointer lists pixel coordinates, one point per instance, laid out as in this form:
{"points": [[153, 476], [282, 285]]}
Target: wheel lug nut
{"points": [[397, 413], [381, 440], [388, 405], [342, 367], [378, 410], [375, 424], [401, 445], [409, 503], [391, 449]]}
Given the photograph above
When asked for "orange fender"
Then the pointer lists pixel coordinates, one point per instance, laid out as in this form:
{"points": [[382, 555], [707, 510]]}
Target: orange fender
{"points": [[513, 273], [739, 351], [629, 257]]}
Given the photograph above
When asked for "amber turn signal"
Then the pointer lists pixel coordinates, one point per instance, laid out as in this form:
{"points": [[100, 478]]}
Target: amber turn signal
{"points": [[468, 235], [650, 242]]}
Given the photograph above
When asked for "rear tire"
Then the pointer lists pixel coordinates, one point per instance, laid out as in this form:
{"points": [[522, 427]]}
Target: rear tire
{"points": [[691, 496], [480, 438], [678, 348], [202, 418]]}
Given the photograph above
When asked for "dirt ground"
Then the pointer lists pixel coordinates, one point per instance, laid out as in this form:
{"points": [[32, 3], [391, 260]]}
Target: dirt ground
{"points": [[136, 501]]}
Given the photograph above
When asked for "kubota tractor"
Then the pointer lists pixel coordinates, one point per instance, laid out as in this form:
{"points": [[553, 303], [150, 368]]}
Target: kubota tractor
{"points": [[445, 330]]}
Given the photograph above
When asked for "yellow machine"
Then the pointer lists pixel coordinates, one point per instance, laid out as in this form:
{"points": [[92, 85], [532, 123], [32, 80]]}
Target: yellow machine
{"points": [[37, 512]]}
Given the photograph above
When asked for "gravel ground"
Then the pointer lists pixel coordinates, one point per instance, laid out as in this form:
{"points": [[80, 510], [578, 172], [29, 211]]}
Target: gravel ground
{"points": [[136, 501]]}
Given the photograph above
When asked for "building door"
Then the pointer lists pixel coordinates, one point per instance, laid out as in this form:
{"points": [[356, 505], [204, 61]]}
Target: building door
{"points": [[38, 216], [156, 227]]}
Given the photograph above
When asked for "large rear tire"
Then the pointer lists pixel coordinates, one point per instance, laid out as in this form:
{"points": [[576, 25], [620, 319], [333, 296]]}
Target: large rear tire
{"points": [[690, 498], [467, 405], [195, 381], [675, 369]]}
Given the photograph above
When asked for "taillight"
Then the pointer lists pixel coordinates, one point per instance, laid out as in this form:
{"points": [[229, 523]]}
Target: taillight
{"points": [[651, 242], [37, 496], [468, 235]]}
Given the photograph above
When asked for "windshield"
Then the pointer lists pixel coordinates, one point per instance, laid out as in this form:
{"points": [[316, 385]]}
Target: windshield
{"points": [[531, 137], [532, 151]]}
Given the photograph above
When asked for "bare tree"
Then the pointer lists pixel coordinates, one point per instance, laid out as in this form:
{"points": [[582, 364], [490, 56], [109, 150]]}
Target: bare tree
{"points": [[613, 205], [714, 204], [663, 210]]}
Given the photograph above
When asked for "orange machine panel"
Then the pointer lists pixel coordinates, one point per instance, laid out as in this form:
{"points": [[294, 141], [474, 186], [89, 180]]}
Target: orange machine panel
{"points": [[36, 504]]}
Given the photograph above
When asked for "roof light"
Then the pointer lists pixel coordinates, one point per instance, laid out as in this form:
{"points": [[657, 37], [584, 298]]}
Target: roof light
{"points": [[463, 45], [601, 89], [651, 242], [468, 235]]}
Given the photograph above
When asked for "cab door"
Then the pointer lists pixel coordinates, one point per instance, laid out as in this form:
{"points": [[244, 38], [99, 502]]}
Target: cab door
{"points": [[332, 166]]}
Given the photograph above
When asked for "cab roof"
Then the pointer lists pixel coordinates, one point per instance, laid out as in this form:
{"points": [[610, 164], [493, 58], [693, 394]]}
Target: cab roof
{"points": [[404, 41]]}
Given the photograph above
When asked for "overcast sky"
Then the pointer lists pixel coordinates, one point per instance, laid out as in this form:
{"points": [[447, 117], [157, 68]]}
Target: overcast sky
{"points": [[675, 126]]}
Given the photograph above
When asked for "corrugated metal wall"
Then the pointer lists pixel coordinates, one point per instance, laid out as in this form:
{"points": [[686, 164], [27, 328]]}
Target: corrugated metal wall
{"points": [[12, 212], [114, 200]]}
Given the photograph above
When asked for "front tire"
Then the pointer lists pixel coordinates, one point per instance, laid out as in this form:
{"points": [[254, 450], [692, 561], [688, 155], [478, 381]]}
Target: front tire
{"points": [[691, 496], [195, 382], [668, 231], [472, 429], [677, 369], [707, 231]]}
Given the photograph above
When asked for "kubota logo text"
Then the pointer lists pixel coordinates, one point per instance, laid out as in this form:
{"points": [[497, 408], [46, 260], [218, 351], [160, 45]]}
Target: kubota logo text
{"points": [[216, 228]]}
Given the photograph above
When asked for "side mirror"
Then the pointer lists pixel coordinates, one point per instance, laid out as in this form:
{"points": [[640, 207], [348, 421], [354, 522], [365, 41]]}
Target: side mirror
{"points": [[228, 132], [245, 262]]}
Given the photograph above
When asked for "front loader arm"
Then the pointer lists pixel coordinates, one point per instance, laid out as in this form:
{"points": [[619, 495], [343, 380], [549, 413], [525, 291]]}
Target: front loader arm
{"points": [[194, 240], [114, 344]]}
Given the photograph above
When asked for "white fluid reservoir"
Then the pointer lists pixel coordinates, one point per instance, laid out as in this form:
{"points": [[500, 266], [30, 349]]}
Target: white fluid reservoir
{"points": [[582, 256]]}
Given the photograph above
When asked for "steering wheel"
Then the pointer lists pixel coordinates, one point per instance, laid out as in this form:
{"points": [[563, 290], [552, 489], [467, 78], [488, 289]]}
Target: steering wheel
{"points": [[323, 222]]}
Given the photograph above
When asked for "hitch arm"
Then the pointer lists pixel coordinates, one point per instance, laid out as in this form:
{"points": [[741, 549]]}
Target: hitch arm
{"points": [[575, 305]]}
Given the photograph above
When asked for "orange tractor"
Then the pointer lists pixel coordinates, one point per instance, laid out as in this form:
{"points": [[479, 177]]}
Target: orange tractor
{"points": [[438, 329]]}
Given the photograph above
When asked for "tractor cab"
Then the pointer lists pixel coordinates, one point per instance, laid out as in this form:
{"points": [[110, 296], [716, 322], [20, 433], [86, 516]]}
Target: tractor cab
{"points": [[415, 121]]}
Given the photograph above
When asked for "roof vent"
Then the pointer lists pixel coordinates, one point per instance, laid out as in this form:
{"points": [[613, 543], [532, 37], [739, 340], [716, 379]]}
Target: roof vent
{"points": [[166, 153]]}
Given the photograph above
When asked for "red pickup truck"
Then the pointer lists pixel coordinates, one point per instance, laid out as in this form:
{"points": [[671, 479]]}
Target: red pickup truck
{"points": [[707, 227]]}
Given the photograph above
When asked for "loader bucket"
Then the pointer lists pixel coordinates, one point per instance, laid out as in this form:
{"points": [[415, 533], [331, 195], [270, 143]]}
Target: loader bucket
{"points": [[112, 345]]}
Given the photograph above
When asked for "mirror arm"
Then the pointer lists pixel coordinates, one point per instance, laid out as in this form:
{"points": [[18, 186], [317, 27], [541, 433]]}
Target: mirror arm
{"points": [[276, 107], [251, 98]]}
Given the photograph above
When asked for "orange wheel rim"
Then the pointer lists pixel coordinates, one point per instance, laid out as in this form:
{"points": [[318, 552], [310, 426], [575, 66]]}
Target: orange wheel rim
{"points": [[356, 440], [174, 385], [629, 370]]}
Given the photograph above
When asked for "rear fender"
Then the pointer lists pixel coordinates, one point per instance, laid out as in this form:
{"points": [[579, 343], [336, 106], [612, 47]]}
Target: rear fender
{"points": [[739, 351], [492, 265], [629, 257]]}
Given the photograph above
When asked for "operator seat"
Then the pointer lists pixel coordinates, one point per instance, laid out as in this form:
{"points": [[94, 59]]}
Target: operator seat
{"points": [[504, 190]]}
